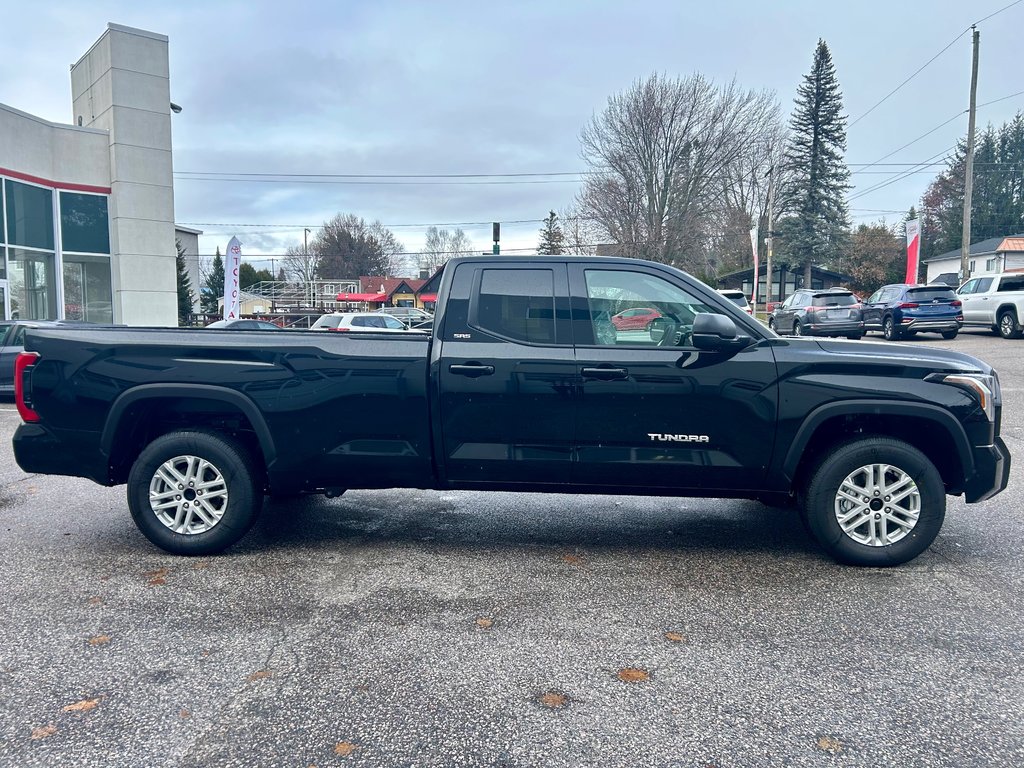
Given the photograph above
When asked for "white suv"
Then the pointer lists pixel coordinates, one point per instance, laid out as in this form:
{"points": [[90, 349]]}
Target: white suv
{"points": [[739, 298], [373, 322]]}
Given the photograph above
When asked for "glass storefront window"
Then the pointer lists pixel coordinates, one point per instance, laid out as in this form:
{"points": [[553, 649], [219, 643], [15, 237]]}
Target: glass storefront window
{"points": [[29, 215], [83, 223], [32, 284], [87, 294]]}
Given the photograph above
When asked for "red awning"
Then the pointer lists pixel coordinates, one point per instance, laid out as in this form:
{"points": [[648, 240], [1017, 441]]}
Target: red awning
{"points": [[362, 296], [428, 297]]}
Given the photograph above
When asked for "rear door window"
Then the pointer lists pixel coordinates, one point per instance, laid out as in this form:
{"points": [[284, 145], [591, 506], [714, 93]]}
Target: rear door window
{"points": [[517, 304], [1011, 284]]}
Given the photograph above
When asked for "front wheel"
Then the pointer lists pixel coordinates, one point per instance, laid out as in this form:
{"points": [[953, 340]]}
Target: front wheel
{"points": [[1008, 325], [771, 323], [193, 493], [798, 330], [875, 502]]}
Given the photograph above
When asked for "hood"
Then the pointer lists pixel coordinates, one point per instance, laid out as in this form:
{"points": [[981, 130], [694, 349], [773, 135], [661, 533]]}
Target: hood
{"points": [[903, 354]]}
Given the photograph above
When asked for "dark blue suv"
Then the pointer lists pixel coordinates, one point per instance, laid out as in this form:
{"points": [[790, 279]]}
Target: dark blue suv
{"points": [[902, 310]]}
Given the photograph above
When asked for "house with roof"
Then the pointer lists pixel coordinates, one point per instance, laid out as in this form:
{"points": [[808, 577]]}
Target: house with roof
{"points": [[785, 280], [377, 292], [987, 257]]}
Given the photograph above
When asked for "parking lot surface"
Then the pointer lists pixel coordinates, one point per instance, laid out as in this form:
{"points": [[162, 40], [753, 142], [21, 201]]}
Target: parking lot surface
{"points": [[436, 629]]}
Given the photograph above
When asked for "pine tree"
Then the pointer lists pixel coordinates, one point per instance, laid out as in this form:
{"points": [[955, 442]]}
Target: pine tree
{"points": [[213, 286], [552, 241], [814, 161], [185, 295]]}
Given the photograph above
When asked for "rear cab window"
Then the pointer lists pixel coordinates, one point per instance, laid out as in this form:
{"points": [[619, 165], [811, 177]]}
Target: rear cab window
{"points": [[1011, 284]]}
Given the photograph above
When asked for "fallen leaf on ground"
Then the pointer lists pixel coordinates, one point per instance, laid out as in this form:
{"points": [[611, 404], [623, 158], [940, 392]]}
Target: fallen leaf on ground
{"points": [[157, 577], [830, 744], [184, 713], [43, 731], [675, 637], [202, 564], [632, 675], [345, 748], [261, 674], [83, 706], [553, 699], [94, 601], [572, 559], [99, 640], [159, 581], [485, 623]]}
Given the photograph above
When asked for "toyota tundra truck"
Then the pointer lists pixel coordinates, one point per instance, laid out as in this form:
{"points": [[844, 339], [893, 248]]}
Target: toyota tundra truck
{"points": [[525, 384]]}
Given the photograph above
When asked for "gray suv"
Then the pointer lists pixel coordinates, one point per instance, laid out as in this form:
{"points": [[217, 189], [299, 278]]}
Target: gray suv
{"points": [[833, 312]]}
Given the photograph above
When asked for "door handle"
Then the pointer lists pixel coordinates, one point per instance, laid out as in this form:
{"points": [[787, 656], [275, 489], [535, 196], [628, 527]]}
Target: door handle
{"points": [[472, 370], [605, 374]]}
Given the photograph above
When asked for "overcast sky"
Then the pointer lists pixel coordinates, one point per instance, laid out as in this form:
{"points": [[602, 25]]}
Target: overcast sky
{"points": [[449, 87]]}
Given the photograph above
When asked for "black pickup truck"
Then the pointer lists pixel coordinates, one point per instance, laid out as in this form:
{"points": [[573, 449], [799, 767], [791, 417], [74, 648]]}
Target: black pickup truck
{"points": [[560, 374]]}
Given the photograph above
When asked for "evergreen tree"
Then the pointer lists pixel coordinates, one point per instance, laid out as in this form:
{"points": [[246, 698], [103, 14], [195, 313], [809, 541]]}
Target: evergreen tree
{"points": [[815, 194], [248, 275], [213, 286], [552, 241], [281, 277], [185, 295]]}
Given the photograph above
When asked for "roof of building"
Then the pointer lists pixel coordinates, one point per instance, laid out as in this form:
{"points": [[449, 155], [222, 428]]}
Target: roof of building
{"points": [[389, 285], [982, 248]]}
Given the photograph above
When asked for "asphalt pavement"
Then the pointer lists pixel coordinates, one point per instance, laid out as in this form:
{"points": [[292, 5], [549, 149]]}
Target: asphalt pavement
{"points": [[401, 628]]}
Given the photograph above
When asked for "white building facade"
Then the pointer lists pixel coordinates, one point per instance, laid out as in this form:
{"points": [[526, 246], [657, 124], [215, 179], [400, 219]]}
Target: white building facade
{"points": [[88, 208], [987, 257]]}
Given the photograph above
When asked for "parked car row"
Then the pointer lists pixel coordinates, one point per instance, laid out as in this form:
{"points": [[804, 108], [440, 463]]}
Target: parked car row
{"points": [[896, 311]]}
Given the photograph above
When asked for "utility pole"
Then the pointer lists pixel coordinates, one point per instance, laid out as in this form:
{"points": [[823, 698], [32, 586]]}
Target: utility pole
{"points": [[770, 238], [965, 244], [305, 260]]}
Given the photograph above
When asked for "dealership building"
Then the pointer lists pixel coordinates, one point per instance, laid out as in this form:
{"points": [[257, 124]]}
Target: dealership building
{"points": [[88, 207]]}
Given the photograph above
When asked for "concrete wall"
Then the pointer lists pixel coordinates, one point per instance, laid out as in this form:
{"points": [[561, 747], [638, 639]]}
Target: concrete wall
{"points": [[51, 151], [122, 86]]}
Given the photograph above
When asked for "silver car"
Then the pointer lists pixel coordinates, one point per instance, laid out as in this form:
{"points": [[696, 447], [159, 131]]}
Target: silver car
{"points": [[374, 322]]}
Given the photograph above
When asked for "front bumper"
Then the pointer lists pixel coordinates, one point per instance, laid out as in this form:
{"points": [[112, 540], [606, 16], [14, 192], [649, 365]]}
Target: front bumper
{"points": [[991, 472]]}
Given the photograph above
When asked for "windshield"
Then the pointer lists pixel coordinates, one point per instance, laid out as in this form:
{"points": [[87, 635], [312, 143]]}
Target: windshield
{"points": [[738, 299]]}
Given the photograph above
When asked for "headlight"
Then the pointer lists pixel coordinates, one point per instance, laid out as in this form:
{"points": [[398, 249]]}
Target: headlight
{"points": [[984, 387]]}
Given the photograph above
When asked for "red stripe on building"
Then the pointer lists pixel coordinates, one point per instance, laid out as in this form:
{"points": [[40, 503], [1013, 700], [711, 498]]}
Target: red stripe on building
{"points": [[54, 184]]}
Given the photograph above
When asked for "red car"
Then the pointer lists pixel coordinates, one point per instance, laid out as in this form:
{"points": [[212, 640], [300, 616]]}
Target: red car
{"points": [[637, 318]]}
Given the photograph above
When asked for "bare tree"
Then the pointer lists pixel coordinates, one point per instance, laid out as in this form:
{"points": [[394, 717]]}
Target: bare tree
{"points": [[347, 247], [581, 235], [300, 265], [659, 154], [441, 245]]}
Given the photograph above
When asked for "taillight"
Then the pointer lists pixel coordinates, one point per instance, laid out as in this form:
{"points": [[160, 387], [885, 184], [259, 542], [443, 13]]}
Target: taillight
{"points": [[809, 309], [956, 303], [23, 361], [909, 305]]}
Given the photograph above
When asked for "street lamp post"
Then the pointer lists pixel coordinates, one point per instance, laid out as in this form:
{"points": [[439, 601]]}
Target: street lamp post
{"points": [[305, 259]]}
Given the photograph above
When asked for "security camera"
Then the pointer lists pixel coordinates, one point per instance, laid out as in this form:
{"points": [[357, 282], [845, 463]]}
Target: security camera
{"points": [[175, 108]]}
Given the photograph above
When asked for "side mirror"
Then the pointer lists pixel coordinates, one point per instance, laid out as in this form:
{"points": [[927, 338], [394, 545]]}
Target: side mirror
{"points": [[717, 333], [658, 327]]}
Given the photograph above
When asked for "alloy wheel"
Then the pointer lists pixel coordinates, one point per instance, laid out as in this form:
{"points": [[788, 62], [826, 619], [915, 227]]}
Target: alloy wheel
{"points": [[188, 494], [877, 505]]}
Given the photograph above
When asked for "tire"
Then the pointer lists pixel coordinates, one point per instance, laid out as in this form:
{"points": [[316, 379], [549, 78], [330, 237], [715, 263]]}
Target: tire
{"points": [[857, 465], [855, 336], [223, 517], [889, 329], [771, 324], [949, 335], [798, 330], [1008, 325]]}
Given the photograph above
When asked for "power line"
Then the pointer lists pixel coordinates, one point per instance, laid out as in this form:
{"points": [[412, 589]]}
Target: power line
{"points": [[382, 175], [883, 184], [925, 65], [378, 183]]}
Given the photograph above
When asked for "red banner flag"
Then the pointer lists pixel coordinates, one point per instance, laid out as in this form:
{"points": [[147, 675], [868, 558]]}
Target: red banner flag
{"points": [[913, 249]]}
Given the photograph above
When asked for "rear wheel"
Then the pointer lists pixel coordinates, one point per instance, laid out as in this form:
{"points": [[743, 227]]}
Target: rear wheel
{"points": [[193, 493], [855, 336], [875, 502], [949, 335], [1008, 328], [889, 329]]}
